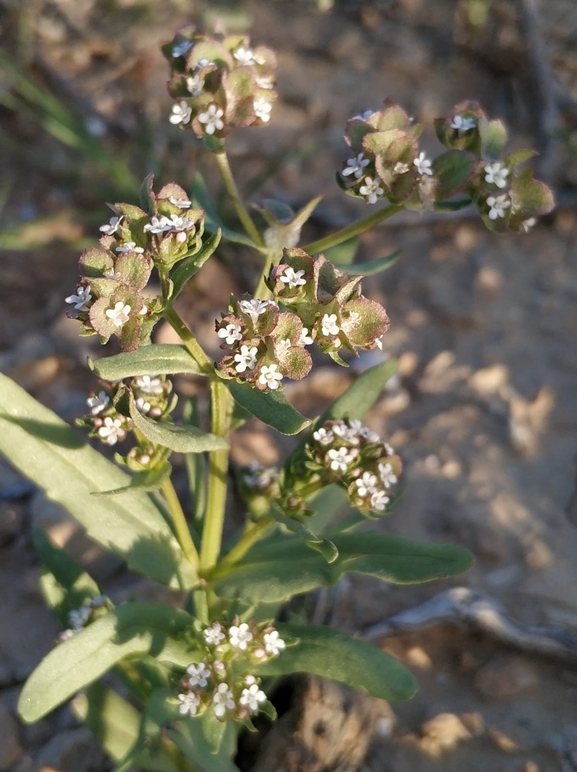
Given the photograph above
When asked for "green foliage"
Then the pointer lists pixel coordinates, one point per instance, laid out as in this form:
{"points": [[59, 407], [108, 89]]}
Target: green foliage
{"points": [[271, 408], [156, 359]]}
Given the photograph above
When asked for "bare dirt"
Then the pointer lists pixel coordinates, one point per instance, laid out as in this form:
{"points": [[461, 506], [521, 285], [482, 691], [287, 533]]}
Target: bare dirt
{"points": [[484, 408]]}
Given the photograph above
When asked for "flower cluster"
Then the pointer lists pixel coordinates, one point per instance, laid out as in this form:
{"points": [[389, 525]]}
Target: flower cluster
{"points": [[214, 684], [109, 297], [79, 618], [219, 82], [348, 453], [386, 163]]}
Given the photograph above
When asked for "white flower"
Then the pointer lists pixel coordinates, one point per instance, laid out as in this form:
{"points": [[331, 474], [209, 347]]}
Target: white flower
{"points": [[142, 405], [262, 109], [379, 500], [305, 338], [79, 617], [423, 164], [180, 49], [98, 402], [149, 385], [119, 314], [112, 431], [323, 436], [244, 55], [347, 433], [340, 459], [254, 308], [329, 325], [198, 675], [355, 166], [240, 636], [202, 63], [111, 226], [158, 225], [130, 246], [219, 666], [496, 174], [81, 299], [264, 81], [251, 697], [401, 168], [284, 345], [528, 224], [178, 224], [181, 203], [388, 477], [188, 704], [231, 333], [364, 116], [213, 635], [143, 310], [367, 484], [379, 343], [273, 643], [293, 278], [181, 113], [212, 119], [497, 206], [371, 190], [222, 700], [369, 435], [463, 123], [246, 360], [195, 84], [269, 376]]}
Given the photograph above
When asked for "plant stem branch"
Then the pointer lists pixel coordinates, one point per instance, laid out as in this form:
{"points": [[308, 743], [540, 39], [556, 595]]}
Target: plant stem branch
{"points": [[352, 230], [230, 186], [250, 537], [180, 524], [190, 342]]}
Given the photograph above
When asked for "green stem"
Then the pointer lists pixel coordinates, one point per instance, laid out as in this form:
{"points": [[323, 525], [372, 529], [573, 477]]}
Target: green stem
{"points": [[250, 537], [262, 292], [192, 345], [232, 190], [217, 478], [180, 525], [352, 230]]}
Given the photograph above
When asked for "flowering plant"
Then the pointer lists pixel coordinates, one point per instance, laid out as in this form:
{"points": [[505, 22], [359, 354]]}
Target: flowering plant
{"points": [[190, 678]]}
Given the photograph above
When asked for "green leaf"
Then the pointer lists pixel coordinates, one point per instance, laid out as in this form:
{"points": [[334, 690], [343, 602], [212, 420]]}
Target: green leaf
{"points": [[272, 408], [343, 254], [330, 654], [325, 506], [147, 480], [371, 267], [278, 568], [181, 439], [54, 456], [493, 139], [453, 170], [324, 547], [362, 394], [186, 269], [129, 630], [156, 359], [207, 742], [195, 467]]}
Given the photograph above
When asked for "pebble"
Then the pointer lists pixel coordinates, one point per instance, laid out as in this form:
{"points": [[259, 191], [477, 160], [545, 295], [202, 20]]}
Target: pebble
{"points": [[443, 732]]}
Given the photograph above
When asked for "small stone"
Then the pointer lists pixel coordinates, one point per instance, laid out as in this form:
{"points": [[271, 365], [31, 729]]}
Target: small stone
{"points": [[10, 748], [505, 678], [442, 733]]}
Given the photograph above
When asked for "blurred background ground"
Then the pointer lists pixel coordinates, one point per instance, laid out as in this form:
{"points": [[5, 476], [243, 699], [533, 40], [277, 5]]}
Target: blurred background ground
{"points": [[484, 409]]}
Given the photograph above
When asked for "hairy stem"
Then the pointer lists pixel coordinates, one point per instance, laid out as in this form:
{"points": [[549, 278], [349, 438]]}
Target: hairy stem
{"points": [[352, 230], [232, 190], [180, 525], [190, 342]]}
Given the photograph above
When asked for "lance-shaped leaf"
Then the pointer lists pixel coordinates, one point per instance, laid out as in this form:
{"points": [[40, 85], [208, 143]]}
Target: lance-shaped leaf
{"points": [[342, 255], [187, 268], [362, 394], [272, 408], [331, 654], [156, 359], [182, 439], [324, 547], [371, 267], [453, 170], [208, 742], [147, 480], [129, 630], [54, 456]]}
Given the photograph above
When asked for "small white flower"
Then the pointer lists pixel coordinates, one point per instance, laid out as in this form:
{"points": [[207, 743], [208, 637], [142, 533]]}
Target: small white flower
{"points": [[355, 166], [369, 435], [401, 168], [202, 63], [222, 700], [379, 343], [98, 402], [179, 224], [130, 246], [305, 338], [188, 704], [79, 617], [181, 113], [323, 436], [496, 174], [463, 123], [347, 433], [195, 84], [364, 116], [340, 459], [181, 203], [423, 165], [262, 109], [270, 377], [371, 190], [273, 643], [528, 224], [81, 299], [219, 666], [497, 206], [112, 431], [329, 326], [142, 405], [379, 500], [264, 81], [119, 314], [367, 484], [240, 636], [213, 635], [111, 226], [244, 55], [182, 48], [143, 310], [212, 119], [158, 225], [293, 278], [149, 385], [284, 344], [198, 675], [231, 334], [246, 360], [388, 477], [251, 697], [254, 308]]}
